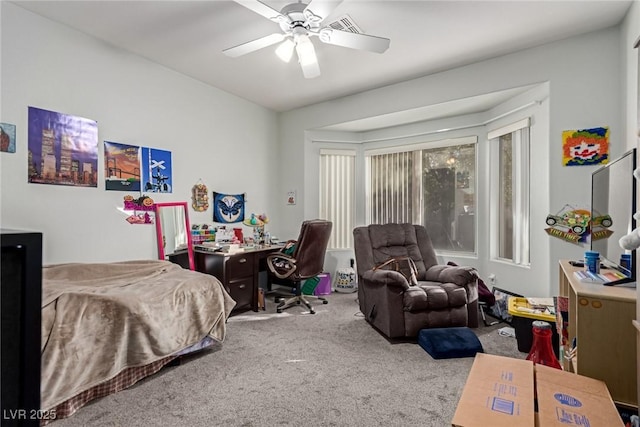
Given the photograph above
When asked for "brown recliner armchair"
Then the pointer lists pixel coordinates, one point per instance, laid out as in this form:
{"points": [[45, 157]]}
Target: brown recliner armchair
{"points": [[445, 295]]}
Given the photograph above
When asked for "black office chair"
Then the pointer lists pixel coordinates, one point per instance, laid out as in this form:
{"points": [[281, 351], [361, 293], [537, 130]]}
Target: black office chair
{"points": [[306, 261]]}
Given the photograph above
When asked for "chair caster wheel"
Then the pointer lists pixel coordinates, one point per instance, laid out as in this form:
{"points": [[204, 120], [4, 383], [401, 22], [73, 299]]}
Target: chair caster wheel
{"points": [[312, 312], [325, 302], [279, 310], [298, 302]]}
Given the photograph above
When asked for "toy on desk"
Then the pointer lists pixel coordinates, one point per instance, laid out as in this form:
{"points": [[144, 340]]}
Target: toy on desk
{"points": [[257, 222]]}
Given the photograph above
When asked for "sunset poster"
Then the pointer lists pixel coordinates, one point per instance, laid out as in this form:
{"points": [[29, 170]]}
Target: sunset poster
{"points": [[121, 166]]}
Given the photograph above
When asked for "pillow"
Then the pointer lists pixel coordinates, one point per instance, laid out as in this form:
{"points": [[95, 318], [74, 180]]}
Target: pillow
{"points": [[446, 343]]}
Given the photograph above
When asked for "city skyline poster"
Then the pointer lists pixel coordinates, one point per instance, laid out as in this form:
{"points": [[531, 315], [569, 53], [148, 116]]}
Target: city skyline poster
{"points": [[63, 149]]}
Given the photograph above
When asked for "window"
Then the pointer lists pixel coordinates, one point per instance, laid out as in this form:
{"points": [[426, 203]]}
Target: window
{"points": [[510, 203], [337, 194], [505, 197], [430, 186]]}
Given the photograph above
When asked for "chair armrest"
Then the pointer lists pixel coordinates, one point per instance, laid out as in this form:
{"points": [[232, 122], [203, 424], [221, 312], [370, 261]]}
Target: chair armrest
{"points": [[281, 265], [459, 275], [385, 278]]}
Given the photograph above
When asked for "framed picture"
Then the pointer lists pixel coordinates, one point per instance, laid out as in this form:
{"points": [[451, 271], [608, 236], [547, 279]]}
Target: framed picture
{"points": [[291, 198], [7, 137], [500, 310]]}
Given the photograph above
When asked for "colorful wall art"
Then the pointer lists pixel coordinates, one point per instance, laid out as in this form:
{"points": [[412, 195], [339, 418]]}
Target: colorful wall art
{"points": [[7, 137], [228, 208], [121, 167], [569, 224], [63, 149], [141, 210], [156, 170], [585, 147]]}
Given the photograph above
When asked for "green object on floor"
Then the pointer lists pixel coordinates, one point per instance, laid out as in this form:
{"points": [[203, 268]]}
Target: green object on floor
{"points": [[310, 285]]}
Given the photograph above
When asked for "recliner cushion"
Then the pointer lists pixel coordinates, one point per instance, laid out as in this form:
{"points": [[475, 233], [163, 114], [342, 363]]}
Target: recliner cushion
{"points": [[446, 343], [432, 296]]}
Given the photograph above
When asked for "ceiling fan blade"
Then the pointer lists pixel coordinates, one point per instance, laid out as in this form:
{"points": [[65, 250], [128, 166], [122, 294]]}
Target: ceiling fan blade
{"points": [[354, 40], [262, 9], [253, 45], [320, 8], [310, 70], [307, 57]]}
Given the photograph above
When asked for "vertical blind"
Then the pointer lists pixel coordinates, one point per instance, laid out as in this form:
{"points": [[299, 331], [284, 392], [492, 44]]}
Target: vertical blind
{"points": [[337, 194], [391, 188]]}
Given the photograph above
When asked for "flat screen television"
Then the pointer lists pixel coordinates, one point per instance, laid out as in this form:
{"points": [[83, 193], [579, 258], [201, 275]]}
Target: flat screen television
{"points": [[613, 204]]}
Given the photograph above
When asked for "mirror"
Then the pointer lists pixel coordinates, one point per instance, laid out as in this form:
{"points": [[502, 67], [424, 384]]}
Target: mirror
{"points": [[174, 234]]}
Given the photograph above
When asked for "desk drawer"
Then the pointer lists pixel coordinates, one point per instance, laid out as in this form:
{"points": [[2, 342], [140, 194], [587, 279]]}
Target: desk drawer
{"points": [[242, 292], [238, 266]]}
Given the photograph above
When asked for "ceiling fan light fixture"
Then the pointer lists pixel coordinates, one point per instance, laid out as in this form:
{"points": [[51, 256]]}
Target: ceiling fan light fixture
{"points": [[298, 21], [285, 50]]}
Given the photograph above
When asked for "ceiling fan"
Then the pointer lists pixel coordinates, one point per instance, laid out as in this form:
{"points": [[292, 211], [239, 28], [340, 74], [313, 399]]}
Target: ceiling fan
{"points": [[299, 22]]}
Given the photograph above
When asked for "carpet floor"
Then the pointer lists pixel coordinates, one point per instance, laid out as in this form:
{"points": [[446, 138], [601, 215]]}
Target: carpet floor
{"points": [[298, 369]]}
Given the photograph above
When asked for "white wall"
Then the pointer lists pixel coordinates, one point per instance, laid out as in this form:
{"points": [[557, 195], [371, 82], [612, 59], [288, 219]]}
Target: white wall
{"points": [[592, 82], [221, 139], [585, 91]]}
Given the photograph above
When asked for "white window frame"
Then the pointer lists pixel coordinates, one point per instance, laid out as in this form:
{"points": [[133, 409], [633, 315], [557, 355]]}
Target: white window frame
{"points": [[521, 170]]}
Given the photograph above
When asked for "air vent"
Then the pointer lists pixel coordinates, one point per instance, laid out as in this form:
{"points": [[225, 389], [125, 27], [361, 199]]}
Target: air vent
{"points": [[345, 23]]}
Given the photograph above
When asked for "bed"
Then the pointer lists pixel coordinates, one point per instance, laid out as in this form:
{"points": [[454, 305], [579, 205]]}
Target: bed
{"points": [[106, 326]]}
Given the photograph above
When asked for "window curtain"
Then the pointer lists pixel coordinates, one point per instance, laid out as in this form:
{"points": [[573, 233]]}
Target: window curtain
{"points": [[337, 194]]}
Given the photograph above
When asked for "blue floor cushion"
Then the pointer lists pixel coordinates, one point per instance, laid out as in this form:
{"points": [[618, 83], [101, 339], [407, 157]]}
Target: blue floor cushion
{"points": [[446, 343]]}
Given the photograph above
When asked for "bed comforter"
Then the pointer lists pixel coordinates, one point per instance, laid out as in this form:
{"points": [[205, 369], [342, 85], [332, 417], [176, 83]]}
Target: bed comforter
{"points": [[98, 319]]}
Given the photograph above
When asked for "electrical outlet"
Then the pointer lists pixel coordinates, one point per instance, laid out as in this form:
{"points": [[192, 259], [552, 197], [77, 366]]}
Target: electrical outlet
{"points": [[492, 279]]}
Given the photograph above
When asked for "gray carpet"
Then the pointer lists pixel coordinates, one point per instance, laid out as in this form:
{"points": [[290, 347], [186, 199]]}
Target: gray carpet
{"points": [[298, 369]]}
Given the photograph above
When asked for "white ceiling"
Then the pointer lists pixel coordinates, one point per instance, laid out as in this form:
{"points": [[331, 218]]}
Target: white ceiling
{"points": [[426, 37]]}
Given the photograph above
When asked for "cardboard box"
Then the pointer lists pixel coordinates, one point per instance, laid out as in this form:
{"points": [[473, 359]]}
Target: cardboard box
{"points": [[569, 399], [500, 392]]}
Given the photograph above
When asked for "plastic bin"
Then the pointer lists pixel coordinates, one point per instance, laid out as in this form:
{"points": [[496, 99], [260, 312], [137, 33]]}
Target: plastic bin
{"points": [[522, 323], [324, 286]]}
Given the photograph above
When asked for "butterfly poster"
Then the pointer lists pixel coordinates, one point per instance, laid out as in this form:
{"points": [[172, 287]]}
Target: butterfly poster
{"points": [[228, 208]]}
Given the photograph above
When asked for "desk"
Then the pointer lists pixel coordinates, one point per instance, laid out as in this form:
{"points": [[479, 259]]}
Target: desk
{"points": [[238, 272], [600, 318]]}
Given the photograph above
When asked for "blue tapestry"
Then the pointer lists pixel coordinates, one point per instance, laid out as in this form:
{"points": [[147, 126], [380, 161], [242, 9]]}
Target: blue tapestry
{"points": [[228, 208]]}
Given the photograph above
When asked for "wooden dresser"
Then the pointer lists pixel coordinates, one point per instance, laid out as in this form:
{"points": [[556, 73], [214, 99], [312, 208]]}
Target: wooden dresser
{"points": [[239, 272], [600, 321]]}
